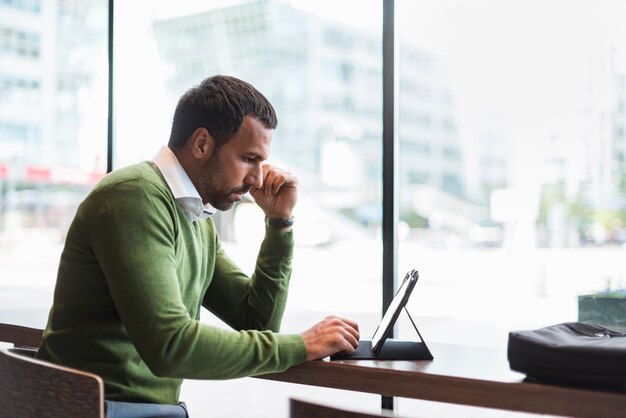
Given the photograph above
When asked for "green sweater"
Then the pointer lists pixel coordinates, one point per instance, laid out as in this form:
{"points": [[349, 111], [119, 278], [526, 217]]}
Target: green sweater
{"points": [[132, 277]]}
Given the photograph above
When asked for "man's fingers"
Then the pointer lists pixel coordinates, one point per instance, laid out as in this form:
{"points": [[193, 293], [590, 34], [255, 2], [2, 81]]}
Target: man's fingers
{"points": [[266, 173], [351, 339], [352, 323], [274, 178], [332, 335], [354, 333], [277, 183], [273, 182], [348, 324], [348, 344]]}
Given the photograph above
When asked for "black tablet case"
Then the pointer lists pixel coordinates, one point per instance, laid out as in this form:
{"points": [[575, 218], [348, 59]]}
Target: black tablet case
{"points": [[392, 349]]}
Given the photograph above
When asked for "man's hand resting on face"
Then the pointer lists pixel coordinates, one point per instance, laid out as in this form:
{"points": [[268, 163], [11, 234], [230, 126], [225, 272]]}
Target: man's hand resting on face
{"points": [[278, 194], [332, 335]]}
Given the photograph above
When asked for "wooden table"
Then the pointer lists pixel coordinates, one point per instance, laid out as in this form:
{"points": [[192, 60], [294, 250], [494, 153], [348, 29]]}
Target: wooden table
{"points": [[477, 376]]}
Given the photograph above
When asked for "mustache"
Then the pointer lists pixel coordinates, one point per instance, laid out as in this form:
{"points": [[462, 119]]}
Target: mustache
{"points": [[242, 190]]}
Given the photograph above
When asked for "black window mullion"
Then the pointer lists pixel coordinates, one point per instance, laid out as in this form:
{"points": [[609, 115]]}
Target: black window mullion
{"points": [[390, 166], [110, 93]]}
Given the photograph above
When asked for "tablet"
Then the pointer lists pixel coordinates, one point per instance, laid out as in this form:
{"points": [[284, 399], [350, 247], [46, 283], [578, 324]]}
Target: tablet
{"points": [[380, 347], [394, 309]]}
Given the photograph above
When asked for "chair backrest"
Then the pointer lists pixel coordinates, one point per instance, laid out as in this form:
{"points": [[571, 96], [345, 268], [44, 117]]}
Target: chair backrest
{"points": [[32, 388], [21, 336], [304, 409]]}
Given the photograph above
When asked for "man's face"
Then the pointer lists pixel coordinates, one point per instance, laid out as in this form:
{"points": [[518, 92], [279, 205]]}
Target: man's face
{"points": [[235, 167]]}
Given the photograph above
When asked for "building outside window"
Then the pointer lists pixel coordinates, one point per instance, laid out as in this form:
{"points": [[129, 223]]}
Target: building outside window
{"points": [[53, 81]]}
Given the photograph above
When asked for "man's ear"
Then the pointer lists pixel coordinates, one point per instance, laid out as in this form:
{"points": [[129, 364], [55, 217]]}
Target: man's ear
{"points": [[202, 144]]}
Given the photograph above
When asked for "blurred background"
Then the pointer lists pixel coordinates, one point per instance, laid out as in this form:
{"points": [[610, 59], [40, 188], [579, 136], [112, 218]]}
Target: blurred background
{"points": [[511, 167]]}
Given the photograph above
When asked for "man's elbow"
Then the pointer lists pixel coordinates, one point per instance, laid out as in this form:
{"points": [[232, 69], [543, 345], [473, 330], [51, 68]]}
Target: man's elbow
{"points": [[263, 323], [166, 362], [163, 367]]}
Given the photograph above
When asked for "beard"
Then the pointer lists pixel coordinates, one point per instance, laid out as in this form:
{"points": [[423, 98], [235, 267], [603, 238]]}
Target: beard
{"points": [[214, 188]]}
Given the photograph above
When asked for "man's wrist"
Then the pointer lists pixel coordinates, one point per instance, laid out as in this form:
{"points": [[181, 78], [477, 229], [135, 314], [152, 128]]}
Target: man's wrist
{"points": [[279, 223]]}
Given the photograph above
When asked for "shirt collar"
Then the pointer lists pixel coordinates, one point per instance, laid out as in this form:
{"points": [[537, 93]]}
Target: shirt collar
{"points": [[181, 186]]}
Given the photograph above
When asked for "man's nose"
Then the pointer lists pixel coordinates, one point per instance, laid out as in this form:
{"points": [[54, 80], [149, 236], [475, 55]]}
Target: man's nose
{"points": [[255, 177]]}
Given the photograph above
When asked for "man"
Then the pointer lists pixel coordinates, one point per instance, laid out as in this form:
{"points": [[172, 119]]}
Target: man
{"points": [[142, 256]]}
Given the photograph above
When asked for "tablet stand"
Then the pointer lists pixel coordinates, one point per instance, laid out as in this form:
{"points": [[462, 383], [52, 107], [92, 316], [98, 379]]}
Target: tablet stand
{"points": [[392, 349]]}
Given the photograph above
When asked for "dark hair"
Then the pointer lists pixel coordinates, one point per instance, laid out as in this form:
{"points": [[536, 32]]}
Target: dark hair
{"points": [[219, 104]]}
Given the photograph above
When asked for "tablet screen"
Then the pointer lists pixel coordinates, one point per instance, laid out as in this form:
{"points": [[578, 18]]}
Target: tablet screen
{"points": [[390, 316]]}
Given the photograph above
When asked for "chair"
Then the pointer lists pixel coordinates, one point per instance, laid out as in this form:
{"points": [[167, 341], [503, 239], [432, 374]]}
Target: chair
{"points": [[32, 388], [22, 337], [304, 409]]}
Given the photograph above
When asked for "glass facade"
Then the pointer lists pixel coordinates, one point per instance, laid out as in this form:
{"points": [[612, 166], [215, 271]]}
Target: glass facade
{"points": [[323, 78], [521, 205], [53, 80], [511, 160]]}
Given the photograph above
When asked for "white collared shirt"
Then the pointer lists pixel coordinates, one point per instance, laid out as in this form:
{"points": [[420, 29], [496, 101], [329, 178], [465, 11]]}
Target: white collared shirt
{"points": [[181, 186]]}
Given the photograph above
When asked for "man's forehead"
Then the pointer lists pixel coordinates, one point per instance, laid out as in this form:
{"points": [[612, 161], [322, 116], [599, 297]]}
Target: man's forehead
{"points": [[257, 139]]}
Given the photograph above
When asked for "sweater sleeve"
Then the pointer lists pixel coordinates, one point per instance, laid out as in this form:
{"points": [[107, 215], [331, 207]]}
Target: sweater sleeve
{"points": [[257, 302], [132, 233]]}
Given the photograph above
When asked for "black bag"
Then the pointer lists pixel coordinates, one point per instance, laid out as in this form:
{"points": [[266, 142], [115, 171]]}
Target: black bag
{"points": [[572, 353]]}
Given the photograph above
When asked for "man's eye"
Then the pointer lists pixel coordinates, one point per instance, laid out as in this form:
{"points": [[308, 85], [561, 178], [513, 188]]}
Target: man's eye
{"points": [[250, 160]]}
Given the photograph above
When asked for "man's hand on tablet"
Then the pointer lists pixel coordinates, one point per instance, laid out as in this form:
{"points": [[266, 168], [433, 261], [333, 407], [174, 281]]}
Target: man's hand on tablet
{"points": [[332, 335]]}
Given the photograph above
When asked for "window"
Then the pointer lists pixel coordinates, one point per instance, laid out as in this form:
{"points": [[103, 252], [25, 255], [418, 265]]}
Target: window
{"points": [[19, 90], [52, 141], [328, 141], [523, 194], [33, 6], [19, 43], [329, 131], [512, 180]]}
